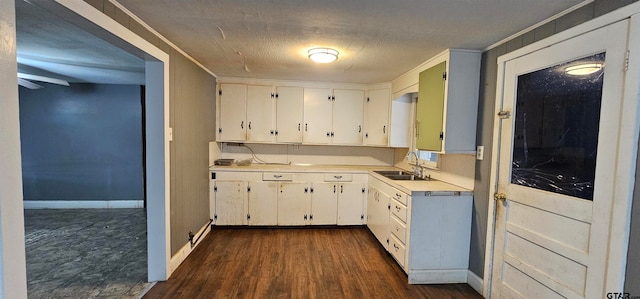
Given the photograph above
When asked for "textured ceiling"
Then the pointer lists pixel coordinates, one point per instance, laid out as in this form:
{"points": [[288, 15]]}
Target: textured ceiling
{"points": [[49, 46], [378, 40]]}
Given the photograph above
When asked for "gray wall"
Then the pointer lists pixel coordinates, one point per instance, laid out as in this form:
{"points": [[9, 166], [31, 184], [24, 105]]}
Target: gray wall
{"points": [[192, 117], [82, 142], [486, 108]]}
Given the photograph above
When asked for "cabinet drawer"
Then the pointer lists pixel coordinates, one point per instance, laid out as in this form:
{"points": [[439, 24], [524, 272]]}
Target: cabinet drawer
{"points": [[397, 250], [398, 228], [400, 196], [342, 177], [399, 210], [275, 176]]}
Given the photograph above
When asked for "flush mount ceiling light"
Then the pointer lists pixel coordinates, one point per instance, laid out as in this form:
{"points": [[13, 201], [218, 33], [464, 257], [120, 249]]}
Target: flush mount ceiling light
{"points": [[323, 55], [583, 69]]}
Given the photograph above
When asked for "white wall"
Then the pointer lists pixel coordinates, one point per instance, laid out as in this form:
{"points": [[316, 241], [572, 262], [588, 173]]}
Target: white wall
{"points": [[13, 274]]}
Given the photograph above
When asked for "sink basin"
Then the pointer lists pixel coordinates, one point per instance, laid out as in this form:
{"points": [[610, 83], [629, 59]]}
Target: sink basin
{"points": [[392, 172], [399, 175], [404, 177]]}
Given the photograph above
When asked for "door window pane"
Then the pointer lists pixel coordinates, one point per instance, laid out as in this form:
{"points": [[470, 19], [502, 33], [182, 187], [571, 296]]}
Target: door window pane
{"points": [[557, 118]]}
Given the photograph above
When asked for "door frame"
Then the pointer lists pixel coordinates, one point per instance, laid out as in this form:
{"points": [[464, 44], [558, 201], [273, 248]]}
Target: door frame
{"points": [[157, 136], [627, 145]]}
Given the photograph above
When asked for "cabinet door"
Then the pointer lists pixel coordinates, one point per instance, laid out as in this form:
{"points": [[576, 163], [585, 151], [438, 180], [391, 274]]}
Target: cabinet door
{"points": [[230, 202], [350, 204], [324, 203], [259, 113], [348, 111], [378, 215], [233, 112], [293, 204], [376, 129], [317, 115], [289, 111], [263, 203], [430, 110]]}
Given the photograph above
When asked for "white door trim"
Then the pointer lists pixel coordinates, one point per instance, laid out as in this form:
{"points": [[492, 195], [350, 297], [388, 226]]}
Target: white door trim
{"points": [[627, 142], [157, 124]]}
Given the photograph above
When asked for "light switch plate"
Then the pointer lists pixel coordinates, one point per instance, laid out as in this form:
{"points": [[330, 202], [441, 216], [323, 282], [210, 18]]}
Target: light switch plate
{"points": [[480, 152]]}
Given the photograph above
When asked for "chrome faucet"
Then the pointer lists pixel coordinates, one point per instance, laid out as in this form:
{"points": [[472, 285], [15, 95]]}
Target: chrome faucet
{"points": [[417, 169]]}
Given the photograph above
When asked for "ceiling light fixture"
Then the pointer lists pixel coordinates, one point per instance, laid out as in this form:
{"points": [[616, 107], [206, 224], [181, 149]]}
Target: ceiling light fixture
{"points": [[583, 69], [323, 55]]}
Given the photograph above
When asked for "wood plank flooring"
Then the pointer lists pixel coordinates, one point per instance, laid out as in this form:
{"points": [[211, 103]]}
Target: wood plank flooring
{"points": [[295, 263]]}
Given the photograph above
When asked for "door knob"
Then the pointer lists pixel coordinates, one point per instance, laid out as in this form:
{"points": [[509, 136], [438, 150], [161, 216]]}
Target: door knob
{"points": [[500, 197]]}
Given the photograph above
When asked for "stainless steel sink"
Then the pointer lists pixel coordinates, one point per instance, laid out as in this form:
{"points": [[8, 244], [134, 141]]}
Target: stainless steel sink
{"points": [[399, 175], [404, 177]]}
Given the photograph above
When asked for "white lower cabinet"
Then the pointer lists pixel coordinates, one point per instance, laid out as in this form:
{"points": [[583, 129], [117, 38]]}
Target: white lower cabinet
{"points": [[427, 233], [287, 199], [229, 202], [378, 215], [263, 203], [293, 203]]}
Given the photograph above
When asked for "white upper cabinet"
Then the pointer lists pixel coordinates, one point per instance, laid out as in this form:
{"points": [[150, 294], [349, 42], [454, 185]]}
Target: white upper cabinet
{"points": [[348, 106], [289, 111], [233, 112], [317, 115], [376, 124], [260, 113]]}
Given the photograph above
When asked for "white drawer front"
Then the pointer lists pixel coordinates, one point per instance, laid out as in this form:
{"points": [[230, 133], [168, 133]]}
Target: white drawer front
{"points": [[338, 177], [275, 176], [400, 196], [397, 250], [399, 229], [399, 210]]}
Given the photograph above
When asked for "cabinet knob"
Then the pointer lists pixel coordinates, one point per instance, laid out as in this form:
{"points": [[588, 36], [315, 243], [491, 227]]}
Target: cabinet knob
{"points": [[331, 134], [242, 124], [249, 126], [298, 127], [384, 129], [359, 129]]}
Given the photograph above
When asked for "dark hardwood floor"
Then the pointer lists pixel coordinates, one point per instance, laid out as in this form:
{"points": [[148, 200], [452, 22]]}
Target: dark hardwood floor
{"points": [[295, 263]]}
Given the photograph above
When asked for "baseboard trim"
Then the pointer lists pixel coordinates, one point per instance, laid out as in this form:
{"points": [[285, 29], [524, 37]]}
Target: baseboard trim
{"points": [[474, 281], [186, 250], [437, 276], [83, 204]]}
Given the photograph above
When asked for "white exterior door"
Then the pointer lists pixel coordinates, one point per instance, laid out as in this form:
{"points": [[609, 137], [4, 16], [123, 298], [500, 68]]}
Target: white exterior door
{"points": [[259, 113], [289, 110], [556, 167], [233, 115], [348, 111], [317, 115]]}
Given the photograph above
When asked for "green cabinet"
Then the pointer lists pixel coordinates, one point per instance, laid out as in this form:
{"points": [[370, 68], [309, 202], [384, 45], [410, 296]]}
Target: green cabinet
{"points": [[447, 108], [429, 113]]}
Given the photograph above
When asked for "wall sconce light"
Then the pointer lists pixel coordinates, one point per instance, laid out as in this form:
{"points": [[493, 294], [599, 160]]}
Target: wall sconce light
{"points": [[323, 55]]}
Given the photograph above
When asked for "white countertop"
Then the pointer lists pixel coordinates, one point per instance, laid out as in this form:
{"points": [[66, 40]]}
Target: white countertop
{"points": [[405, 186]]}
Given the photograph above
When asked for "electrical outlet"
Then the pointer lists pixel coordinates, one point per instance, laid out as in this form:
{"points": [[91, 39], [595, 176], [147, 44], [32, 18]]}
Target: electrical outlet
{"points": [[480, 152]]}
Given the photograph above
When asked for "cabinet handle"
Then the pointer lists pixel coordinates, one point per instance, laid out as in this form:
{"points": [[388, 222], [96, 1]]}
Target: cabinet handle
{"points": [[311, 189], [249, 125], [384, 129], [272, 95], [341, 188], [333, 98], [398, 195], [305, 216], [329, 98], [337, 177], [306, 127], [277, 95], [334, 188], [328, 134], [271, 132], [331, 134], [398, 209], [359, 129], [242, 124], [277, 176], [397, 228], [311, 217], [276, 132], [396, 247], [366, 135], [298, 127], [306, 190]]}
